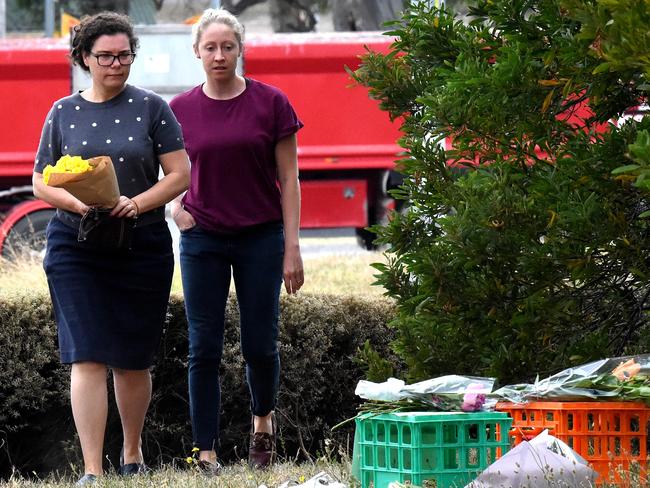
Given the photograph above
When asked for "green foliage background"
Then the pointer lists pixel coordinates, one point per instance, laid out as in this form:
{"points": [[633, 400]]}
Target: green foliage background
{"points": [[525, 245]]}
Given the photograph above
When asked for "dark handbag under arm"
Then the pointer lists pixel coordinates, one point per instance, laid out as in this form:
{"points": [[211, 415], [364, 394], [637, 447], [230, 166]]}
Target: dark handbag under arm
{"points": [[101, 230]]}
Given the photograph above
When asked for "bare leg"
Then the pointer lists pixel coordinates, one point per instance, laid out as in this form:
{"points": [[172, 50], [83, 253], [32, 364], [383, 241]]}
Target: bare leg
{"points": [[263, 424], [132, 395], [210, 456], [89, 397]]}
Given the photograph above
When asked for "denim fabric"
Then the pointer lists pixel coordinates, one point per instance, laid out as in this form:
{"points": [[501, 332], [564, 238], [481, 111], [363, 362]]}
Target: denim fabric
{"points": [[125, 295], [254, 259]]}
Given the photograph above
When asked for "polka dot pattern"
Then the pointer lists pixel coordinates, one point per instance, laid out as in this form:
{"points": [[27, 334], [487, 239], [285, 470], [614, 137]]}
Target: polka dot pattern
{"points": [[132, 132]]}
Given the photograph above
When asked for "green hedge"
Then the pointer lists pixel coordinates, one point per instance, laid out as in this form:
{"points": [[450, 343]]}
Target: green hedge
{"points": [[319, 340]]}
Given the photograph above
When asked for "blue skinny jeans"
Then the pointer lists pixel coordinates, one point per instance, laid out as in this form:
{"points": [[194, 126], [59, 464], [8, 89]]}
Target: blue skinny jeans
{"points": [[254, 259]]}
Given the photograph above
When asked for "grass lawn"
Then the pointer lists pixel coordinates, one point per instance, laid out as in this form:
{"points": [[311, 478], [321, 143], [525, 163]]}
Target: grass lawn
{"points": [[330, 274], [233, 476]]}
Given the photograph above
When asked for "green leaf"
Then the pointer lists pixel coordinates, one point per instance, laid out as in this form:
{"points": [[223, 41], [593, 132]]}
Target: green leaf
{"points": [[625, 169], [601, 68], [644, 183]]}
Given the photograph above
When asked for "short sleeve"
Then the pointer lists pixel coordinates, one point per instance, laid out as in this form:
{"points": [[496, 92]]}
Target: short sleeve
{"points": [[286, 119], [49, 147], [165, 131]]}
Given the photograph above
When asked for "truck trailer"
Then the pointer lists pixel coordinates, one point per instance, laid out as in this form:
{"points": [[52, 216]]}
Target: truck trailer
{"points": [[346, 151]]}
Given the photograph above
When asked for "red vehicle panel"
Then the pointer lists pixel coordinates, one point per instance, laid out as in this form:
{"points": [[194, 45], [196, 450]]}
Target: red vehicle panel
{"points": [[33, 73], [345, 199], [345, 152]]}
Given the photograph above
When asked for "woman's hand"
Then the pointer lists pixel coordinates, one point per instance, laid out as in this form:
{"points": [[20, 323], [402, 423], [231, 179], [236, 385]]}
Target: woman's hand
{"points": [[125, 207], [184, 220], [81, 208], [292, 270]]}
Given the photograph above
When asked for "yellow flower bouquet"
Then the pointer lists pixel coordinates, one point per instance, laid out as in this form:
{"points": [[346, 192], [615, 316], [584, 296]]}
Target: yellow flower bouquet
{"points": [[93, 181]]}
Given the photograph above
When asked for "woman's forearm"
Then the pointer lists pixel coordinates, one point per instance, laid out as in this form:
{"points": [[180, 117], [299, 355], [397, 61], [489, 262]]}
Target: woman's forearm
{"points": [[286, 152], [57, 197], [164, 191], [176, 167], [291, 211]]}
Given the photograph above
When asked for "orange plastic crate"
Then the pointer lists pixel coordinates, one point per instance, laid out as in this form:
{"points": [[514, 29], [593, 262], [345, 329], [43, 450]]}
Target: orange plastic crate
{"points": [[611, 436]]}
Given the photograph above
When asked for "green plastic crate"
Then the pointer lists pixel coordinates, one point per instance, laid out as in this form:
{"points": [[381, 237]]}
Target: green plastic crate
{"points": [[429, 449]]}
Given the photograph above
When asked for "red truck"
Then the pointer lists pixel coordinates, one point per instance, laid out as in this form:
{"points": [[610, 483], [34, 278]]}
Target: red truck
{"points": [[347, 149]]}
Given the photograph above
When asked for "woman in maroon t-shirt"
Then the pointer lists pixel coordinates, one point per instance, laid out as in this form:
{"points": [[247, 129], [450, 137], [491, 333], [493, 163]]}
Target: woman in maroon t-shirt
{"points": [[240, 216]]}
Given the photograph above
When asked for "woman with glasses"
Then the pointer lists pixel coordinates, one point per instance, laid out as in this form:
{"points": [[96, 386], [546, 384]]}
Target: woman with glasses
{"points": [[110, 298], [240, 216]]}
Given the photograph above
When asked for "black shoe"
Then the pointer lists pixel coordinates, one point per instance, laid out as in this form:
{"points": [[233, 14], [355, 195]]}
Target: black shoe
{"points": [[131, 469], [87, 480]]}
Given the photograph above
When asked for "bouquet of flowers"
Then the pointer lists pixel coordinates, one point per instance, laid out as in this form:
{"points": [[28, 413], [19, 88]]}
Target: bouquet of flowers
{"points": [[445, 393], [624, 378], [92, 181]]}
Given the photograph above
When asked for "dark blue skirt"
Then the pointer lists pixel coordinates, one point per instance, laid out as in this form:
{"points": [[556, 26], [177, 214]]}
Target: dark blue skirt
{"points": [[109, 305]]}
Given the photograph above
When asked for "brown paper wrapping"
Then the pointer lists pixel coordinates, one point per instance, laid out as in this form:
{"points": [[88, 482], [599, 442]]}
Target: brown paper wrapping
{"points": [[97, 188]]}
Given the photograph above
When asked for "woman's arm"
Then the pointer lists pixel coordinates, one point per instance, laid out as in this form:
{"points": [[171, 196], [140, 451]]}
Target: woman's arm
{"points": [[57, 197], [176, 167], [286, 155]]}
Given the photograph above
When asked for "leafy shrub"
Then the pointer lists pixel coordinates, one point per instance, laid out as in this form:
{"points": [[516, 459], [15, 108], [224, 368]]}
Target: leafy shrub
{"points": [[523, 249], [319, 340], [31, 376]]}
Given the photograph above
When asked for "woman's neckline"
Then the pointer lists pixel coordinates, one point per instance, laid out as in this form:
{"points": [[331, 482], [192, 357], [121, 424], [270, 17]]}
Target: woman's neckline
{"points": [[108, 100], [234, 97]]}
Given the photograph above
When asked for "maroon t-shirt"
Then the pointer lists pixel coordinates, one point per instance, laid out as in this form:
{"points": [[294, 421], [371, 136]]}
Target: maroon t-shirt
{"points": [[231, 145]]}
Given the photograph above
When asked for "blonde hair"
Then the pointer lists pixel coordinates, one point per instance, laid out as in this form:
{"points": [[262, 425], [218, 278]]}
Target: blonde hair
{"points": [[218, 16]]}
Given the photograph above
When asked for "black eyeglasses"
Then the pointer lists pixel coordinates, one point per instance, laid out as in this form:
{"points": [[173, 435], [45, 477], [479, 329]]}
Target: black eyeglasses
{"points": [[108, 59]]}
